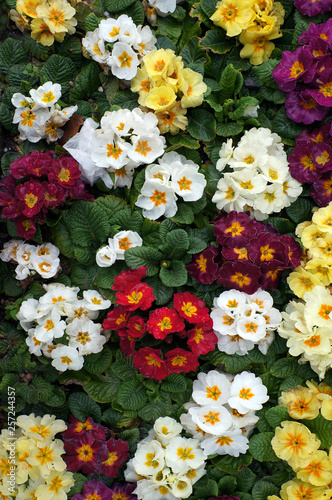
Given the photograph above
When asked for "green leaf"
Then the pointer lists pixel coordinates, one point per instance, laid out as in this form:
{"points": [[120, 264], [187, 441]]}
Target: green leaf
{"points": [[227, 484], [175, 245], [71, 48], [184, 214], [180, 140], [285, 367], [128, 220], [161, 408], [83, 407], [106, 275], [189, 28], [80, 481], [323, 430], [193, 55], [143, 256], [162, 293], [284, 126], [11, 52], [43, 387], [177, 275], [233, 363], [58, 69], [300, 210], [131, 395], [241, 105], [231, 82], [6, 161], [91, 22], [232, 465], [85, 255], [196, 245], [87, 223], [6, 118], [103, 391], [276, 415], [126, 99], [123, 368], [170, 28], [110, 205], [206, 487], [209, 7], [283, 225], [230, 129], [110, 85], [201, 125], [215, 40], [62, 239], [264, 73], [83, 276], [114, 418], [175, 382], [98, 363], [17, 77], [261, 449], [117, 5], [165, 43], [291, 382], [86, 82], [245, 479], [263, 489]]}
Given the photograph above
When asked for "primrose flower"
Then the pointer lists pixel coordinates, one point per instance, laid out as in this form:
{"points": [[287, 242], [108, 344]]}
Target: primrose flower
{"points": [[58, 15], [231, 442], [46, 95], [234, 16], [247, 392], [123, 61]]}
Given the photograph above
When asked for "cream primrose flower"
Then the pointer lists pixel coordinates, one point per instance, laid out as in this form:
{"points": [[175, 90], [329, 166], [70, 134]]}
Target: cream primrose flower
{"points": [[46, 95], [24, 255], [57, 486], [40, 428], [35, 346], [231, 344], [94, 301], [164, 6], [227, 195], [22, 272], [28, 491], [46, 456], [190, 426], [51, 130], [95, 45], [234, 16], [106, 256], [231, 442], [123, 177], [192, 87], [56, 297], [149, 458], [21, 101], [211, 388], [50, 327], [123, 61], [47, 267], [318, 307], [146, 148], [247, 393], [58, 15], [181, 486], [157, 199], [85, 336], [109, 150], [242, 420], [79, 310], [124, 240], [213, 419], [149, 490], [66, 358], [9, 250], [145, 41], [166, 428], [183, 454]]}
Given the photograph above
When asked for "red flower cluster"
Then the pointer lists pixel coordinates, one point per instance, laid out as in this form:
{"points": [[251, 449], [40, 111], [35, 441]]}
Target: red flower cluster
{"points": [[250, 255], [162, 323], [311, 162], [48, 182], [87, 449]]}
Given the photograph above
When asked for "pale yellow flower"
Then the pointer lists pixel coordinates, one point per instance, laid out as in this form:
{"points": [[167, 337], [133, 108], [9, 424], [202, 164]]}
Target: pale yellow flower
{"points": [[192, 87], [142, 84], [320, 269], [311, 235], [160, 98], [42, 34], [157, 62], [300, 281], [323, 219], [172, 119], [28, 7], [256, 41], [300, 403], [58, 15], [298, 490], [318, 471], [21, 21], [234, 16]]}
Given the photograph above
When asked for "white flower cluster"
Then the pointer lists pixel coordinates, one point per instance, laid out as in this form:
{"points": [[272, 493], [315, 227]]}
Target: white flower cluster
{"points": [[42, 259], [222, 413], [128, 44], [165, 464], [242, 321], [42, 320], [38, 116], [115, 250], [260, 181], [125, 140], [175, 175], [307, 326]]}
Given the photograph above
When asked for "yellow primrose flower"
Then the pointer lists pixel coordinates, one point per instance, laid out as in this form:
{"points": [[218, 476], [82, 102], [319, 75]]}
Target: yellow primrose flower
{"points": [[319, 389], [47, 457], [318, 471], [257, 44], [58, 15], [21, 21], [192, 87], [294, 443], [300, 403], [320, 269], [142, 84], [278, 12], [233, 16], [311, 235], [323, 219], [300, 282], [56, 487], [160, 98], [28, 7], [263, 6], [42, 34], [172, 119], [326, 409], [156, 63], [174, 72], [298, 490], [301, 227]]}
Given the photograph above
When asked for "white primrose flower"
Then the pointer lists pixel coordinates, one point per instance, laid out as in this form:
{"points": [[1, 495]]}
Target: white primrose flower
{"points": [[234, 344], [50, 327], [46, 95], [56, 297], [109, 150], [123, 177], [248, 156], [66, 358], [232, 443], [190, 426], [164, 6], [47, 267], [78, 309], [227, 196], [225, 154], [146, 148], [109, 29], [21, 101], [181, 486], [213, 419], [29, 121], [124, 240], [160, 171], [241, 420], [149, 490], [247, 393], [9, 250], [249, 183], [85, 336], [24, 255], [145, 41], [211, 388], [149, 459], [22, 272], [252, 328], [156, 200], [94, 301], [121, 122], [271, 200], [145, 123], [29, 312], [95, 45], [106, 256], [35, 346], [166, 428], [251, 111], [275, 170], [123, 61], [188, 183], [183, 454]]}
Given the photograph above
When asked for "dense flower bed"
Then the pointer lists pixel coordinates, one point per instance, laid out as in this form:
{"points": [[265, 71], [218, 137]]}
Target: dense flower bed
{"points": [[166, 249]]}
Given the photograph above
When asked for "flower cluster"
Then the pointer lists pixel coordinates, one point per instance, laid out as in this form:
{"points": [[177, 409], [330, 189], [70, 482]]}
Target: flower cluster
{"points": [[165, 464], [222, 413], [48, 20], [160, 80], [125, 140], [120, 45], [257, 22], [44, 182], [316, 268], [88, 449], [42, 259], [97, 490], [174, 176], [260, 180], [35, 454], [301, 448], [305, 74], [75, 336], [115, 250], [38, 116], [242, 321], [250, 255], [311, 162], [133, 294], [307, 326], [313, 8]]}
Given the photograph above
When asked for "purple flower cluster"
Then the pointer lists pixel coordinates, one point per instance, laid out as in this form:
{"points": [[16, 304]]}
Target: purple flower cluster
{"points": [[313, 7], [311, 162], [94, 489], [306, 75], [250, 255]]}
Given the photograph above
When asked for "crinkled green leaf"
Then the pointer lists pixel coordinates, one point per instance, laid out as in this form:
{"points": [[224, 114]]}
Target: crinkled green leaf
{"points": [[83, 276], [117, 5], [170, 28], [12, 52], [162, 293], [230, 464], [300, 210], [58, 69], [184, 214], [161, 408], [201, 125], [126, 99], [262, 489], [91, 22], [86, 82], [175, 382], [193, 55], [175, 244], [216, 41], [98, 363], [87, 223], [176, 275], [131, 395], [104, 390], [143, 256], [82, 407]]}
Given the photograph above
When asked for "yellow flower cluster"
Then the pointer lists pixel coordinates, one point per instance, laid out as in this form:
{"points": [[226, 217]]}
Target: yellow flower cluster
{"points": [[316, 237], [256, 21], [48, 20], [168, 89], [31, 465], [296, 444]]}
